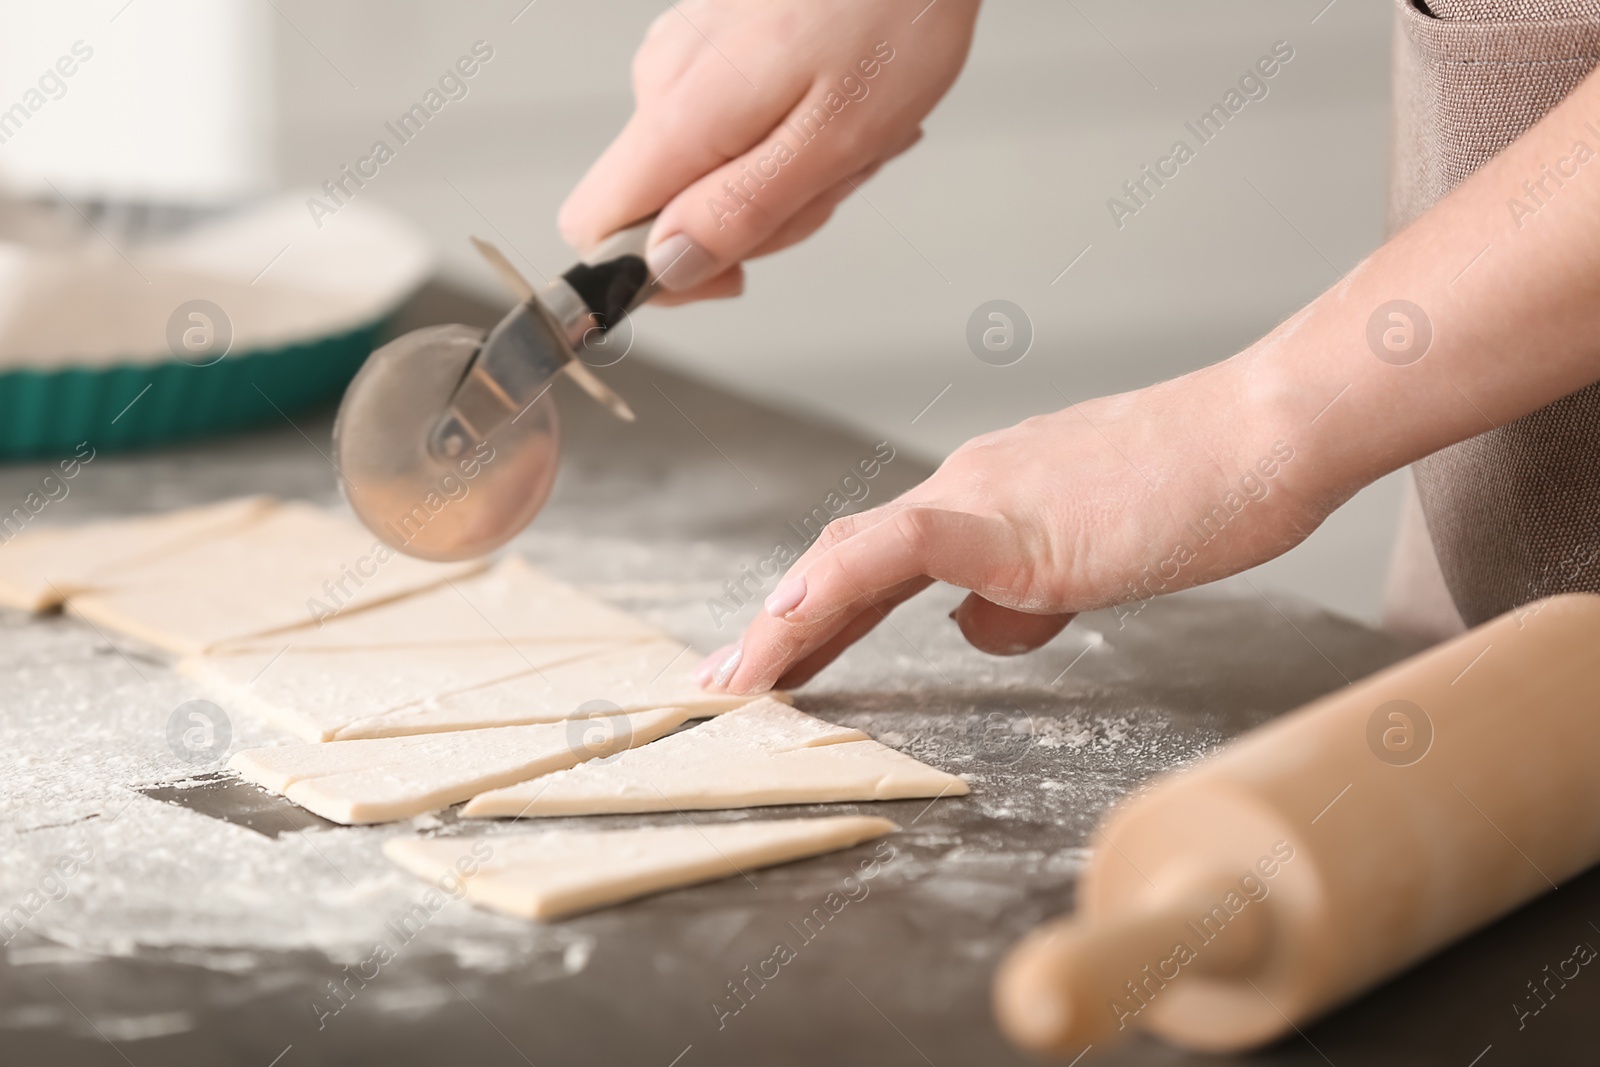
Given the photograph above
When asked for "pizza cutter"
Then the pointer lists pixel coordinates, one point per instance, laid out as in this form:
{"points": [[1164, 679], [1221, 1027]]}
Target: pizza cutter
{"points": [[447, 440]]}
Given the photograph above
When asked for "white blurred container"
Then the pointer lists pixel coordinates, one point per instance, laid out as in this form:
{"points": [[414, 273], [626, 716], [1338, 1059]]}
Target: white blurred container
{"points": [[168, 102]]}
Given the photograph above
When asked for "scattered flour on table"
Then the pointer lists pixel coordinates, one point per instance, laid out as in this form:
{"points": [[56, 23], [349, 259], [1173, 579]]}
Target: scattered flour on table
{"points": [[82, 726]]}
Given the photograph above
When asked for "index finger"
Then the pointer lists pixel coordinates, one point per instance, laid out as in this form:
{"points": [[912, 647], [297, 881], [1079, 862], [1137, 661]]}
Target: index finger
{"points": [[906, 550], [680, 131]]}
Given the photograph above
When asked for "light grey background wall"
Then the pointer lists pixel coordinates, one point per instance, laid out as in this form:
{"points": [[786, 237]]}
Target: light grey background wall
{"points": [[1061, 102]]}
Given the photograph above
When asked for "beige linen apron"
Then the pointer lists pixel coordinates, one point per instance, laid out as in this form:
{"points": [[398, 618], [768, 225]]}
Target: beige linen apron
{"points": [[1513, 514]]}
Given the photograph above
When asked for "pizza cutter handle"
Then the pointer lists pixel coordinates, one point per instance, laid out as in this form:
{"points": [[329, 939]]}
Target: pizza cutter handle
{"points": [[614, 278]]}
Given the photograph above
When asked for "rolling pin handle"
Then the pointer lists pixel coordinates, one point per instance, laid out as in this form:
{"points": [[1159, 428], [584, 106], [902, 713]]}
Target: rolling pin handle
{"points": [[1070, 983]]}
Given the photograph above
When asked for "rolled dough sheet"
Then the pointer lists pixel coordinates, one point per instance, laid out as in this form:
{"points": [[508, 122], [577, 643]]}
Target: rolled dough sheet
{"points": [[637, 677], [557, 873], [510, 602], [358, 782], [316, 693], [42, 566], [266, 577], [763, 753]]}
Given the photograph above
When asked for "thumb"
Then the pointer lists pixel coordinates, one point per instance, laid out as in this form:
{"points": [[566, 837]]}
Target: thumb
{"points": [[999, 631]]}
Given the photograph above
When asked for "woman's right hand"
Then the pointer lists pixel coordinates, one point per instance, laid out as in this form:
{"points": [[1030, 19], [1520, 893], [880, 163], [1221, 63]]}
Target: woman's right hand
{"points": [[755, 118]]}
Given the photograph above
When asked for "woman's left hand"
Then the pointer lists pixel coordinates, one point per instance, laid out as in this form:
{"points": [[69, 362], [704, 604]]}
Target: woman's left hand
{"points": [[1099, 504]]}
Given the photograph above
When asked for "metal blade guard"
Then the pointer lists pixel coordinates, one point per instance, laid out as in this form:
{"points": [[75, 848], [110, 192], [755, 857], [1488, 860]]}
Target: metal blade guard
{"points": [[447, 442]]}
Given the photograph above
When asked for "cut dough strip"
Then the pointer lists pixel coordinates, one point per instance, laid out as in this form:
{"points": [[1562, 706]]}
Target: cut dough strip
{"points": [[303, 617], [42, 566], [654, 674], [358, 782], [322, 695], [316, 694], [562, 872], [763, 753], [510, 602], [275, 574]]}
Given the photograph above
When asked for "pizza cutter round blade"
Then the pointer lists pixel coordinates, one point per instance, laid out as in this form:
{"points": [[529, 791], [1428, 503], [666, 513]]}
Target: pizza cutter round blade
{"points": [[447, 441]]}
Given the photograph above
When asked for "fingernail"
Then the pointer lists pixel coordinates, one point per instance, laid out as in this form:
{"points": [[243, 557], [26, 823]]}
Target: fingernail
{"points": [[678, 263], [729, 665], [702, 673], [787, 596]]}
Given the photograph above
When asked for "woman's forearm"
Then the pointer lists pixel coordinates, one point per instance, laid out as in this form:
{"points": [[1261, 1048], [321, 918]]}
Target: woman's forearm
{"points": [[1505, 276]]}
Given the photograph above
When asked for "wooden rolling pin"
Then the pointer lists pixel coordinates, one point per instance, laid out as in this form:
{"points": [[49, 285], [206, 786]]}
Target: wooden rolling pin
{"points": [[1330, 849]]}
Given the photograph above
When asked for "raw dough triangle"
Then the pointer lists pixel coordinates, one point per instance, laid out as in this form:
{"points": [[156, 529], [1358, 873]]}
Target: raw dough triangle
{"points": [[763, 753], [510, 602], [268, 576], [655, 674], [560, 872], [42, 566], [316, 694], [392, 778]]}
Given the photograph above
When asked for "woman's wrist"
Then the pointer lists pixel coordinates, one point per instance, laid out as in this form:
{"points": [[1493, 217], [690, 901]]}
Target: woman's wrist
{"points": [[1289, 387], [1359, 380]]}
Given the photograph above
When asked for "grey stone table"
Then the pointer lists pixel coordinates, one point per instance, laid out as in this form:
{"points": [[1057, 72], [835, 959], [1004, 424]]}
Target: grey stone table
{"points": [[155, 912]]}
